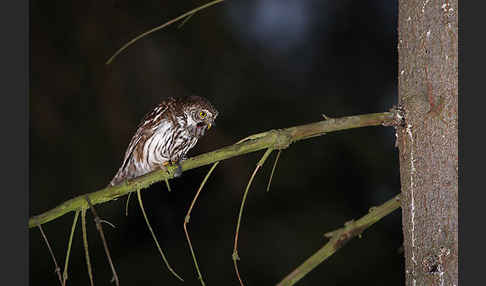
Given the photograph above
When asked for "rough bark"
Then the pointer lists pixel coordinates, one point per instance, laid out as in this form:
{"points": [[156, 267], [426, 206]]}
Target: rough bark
{"points": [[428, 142]]}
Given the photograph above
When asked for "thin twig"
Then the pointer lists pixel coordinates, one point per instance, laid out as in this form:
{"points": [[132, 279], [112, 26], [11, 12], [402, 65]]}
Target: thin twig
{"points": [[58, 270], [273, 169], [107, 222], [73, 228], [168, 185], [126, 204], [188, 216], [185, 21], [105, 245], [235, 255], [139, 196], [339, 238], [85, 243], [132, 41], [326, 117]]}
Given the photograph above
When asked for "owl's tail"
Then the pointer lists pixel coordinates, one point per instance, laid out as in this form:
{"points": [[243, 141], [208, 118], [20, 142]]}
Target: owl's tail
{"points": [[119, 177], [114, 181]]}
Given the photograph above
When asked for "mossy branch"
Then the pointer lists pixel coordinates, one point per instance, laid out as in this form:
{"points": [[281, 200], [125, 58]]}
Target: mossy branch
{"points": [[276, 139], [339, 237]]}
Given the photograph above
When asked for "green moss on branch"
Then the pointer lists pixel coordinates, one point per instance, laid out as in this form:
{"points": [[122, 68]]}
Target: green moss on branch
{"points": [[276, 139], [339, 238]]}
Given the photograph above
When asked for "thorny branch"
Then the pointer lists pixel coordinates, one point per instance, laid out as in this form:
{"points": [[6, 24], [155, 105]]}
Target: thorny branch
{"points": [[276, 139]]}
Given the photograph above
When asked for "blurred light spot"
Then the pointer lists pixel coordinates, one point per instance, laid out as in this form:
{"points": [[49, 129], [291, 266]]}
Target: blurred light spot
{"points": [[276, 25]]}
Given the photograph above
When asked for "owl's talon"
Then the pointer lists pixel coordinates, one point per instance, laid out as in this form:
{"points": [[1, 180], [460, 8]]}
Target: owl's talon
{"points": [[178, 170]]}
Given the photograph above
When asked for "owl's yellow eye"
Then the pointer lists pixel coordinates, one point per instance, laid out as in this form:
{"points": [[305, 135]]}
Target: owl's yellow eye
{"points": [[202, 114]]}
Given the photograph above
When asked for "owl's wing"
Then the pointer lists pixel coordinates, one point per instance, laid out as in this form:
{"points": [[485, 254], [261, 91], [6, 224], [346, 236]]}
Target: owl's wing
{"points": [[145, 129], [129, 152], [123, 171]]}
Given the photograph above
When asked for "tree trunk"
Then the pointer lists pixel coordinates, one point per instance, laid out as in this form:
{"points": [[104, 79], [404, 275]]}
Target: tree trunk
{"points": [[428, 95]]}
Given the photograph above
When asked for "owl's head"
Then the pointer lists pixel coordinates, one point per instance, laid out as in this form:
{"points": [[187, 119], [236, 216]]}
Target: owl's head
{"points": [[200, 114]]}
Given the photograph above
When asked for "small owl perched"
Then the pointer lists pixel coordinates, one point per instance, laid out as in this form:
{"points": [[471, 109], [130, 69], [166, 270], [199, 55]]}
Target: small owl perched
{"points": [[165, 135]]}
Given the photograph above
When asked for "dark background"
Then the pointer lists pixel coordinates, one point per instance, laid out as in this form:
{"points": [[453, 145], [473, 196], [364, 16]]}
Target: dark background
{"points": [[264, 65]]}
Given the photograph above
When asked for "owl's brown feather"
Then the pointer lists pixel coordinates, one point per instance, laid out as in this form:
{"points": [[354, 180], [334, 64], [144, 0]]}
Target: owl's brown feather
{"points": [[166, 134]]}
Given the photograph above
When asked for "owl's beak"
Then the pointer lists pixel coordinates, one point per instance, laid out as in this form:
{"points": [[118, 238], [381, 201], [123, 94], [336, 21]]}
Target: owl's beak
{"points": [[210, 124]]}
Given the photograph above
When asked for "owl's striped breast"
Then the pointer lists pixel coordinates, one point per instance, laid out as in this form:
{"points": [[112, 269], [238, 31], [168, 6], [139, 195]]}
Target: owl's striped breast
{"points": [[169, 142]]}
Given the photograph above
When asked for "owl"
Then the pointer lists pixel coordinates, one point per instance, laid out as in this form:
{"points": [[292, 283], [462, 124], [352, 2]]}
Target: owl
{"points": [[165, 135]]}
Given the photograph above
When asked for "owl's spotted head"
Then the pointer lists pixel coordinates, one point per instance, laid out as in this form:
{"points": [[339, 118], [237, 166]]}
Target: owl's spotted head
{"points": [[200, 114]]}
